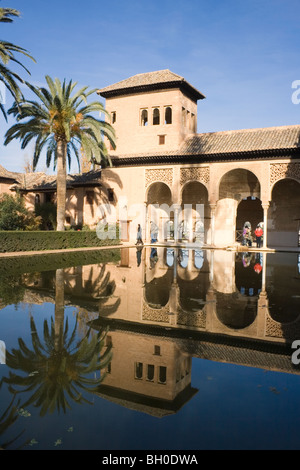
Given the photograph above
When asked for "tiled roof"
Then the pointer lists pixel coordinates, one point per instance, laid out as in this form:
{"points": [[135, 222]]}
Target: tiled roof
{"points": [[246, 140], [8, 174], [159, 78], [228, 143], [43, 182]]}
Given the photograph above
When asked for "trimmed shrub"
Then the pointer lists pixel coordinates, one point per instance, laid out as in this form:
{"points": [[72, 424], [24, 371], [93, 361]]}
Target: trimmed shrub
{"points": [[50, 240], [14, 266]]}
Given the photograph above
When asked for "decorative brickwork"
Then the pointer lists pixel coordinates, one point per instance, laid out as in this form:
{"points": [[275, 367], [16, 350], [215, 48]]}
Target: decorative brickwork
{"points": [[200, 174], [191, 319], [279, 171], [281, 330], [164, 175], [160, 315]]}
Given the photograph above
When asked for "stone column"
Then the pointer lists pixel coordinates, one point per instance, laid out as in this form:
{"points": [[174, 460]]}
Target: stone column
{"points": [[264, 272], [146, 222], [212, 225], [211, 267], [265, 207], [177, 209]]}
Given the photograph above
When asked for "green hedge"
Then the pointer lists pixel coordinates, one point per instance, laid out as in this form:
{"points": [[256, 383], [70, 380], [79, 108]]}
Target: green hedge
{"points": [[12, 266], [50, 240]]}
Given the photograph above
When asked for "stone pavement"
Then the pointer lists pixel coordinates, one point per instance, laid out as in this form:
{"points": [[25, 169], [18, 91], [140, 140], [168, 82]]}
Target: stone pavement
{"points": [[238, 248]]}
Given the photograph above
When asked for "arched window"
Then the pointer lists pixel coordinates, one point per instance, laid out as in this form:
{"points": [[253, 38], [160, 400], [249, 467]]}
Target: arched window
{"points": [[162, 375], [138, 370], [168, 115], [155, 117], [150, 372], [183, 114], [193, 122], [144, 117]]}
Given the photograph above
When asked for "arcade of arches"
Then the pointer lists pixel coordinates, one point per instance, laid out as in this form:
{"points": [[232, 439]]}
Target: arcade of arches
{"points": [[228, 198]]}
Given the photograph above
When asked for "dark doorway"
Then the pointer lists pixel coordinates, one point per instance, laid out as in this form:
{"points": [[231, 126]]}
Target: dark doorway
{"points": [[249, 210]]}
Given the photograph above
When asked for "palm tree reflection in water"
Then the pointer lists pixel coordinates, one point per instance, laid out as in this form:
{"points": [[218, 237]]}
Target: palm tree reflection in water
{"points": [[61, 368], [7, 419]]}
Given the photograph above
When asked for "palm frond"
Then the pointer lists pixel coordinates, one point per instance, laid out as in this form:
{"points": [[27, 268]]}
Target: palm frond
{"points": [[7, 14]]}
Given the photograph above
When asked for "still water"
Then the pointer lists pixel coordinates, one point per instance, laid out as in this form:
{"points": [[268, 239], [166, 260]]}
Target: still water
{"points": [[150, 348]]}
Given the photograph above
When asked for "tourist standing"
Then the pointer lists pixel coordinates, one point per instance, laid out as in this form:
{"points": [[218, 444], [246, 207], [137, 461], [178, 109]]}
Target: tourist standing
{"points": [[258, 233], [247, 238], [139, 239]]}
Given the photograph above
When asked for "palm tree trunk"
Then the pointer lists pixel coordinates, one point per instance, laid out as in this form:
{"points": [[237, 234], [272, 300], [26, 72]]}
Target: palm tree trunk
{"points": [[59, 308], [61, 184]]}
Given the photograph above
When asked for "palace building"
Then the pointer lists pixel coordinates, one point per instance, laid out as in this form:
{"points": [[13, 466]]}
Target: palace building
{"points": [[240, 176], [162, 166]]}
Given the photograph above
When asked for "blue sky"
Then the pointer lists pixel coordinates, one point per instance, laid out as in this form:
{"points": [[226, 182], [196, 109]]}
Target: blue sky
{"points": [[242, 55]]}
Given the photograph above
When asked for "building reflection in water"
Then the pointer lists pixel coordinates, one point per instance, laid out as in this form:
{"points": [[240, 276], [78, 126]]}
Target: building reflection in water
{"points": [[164, 306]]}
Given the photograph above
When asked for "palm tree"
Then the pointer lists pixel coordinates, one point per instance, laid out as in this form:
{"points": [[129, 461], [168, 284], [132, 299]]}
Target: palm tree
{"points": [[7, 53], [61, 367], [62, 123], [58, 369]]}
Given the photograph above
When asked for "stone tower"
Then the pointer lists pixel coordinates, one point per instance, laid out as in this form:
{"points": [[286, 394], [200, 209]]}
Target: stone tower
{"points": [[151, 112]]}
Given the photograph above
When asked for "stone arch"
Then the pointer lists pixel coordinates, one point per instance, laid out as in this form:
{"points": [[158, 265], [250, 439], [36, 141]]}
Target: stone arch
{"points": [[157, 290], [248, 210], [158, 192], [159, 209], [239, 183], [284, 213], [234, 186], [195, 210], [236, 311], [283, 317]]}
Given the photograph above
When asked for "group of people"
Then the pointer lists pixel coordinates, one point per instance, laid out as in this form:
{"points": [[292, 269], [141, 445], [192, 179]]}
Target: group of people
{"points": [[153, 233], [247, 236]]}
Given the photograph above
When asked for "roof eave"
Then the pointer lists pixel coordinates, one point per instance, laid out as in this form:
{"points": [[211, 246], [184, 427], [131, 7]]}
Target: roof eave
{"points": [[182, 85], [206, 158]]}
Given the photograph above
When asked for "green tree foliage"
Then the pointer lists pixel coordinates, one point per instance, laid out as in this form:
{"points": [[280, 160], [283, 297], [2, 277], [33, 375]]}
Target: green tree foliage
{"points": [[62, 122], [8, 51], [47, 212], [15, 216]]}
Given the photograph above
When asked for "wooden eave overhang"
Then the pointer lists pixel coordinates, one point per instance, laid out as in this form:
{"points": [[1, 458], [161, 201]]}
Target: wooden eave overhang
{"points": [[184, 86], [51, 189], [293, 153]]}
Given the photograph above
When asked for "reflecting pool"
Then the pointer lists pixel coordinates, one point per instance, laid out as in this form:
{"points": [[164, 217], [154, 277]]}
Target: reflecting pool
{"points": [[150, 348]]}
